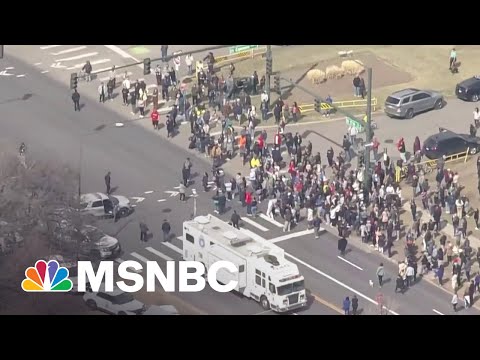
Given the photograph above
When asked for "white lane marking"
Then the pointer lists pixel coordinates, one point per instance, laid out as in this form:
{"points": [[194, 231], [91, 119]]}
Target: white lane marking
{"points": [[253, 235], [134, 205], [253, 223], [180, 238], [176, 187], [96, 62], [294, 314], [139, 257], [21, 75], [148, 192], [161, 200], [49, 47], [272, 221], [331, 278], [77, 57], [173, 247], [437, 312], [211, 182], [159, 254], [37, 64], [118, 260], [137, 199], [69, 50], [45, 71], [292, 235], [118, 76], [9, 68], [350, 263], [123, 53]]}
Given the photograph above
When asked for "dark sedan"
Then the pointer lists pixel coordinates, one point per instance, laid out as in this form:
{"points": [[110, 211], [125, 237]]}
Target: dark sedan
{"points": [[469, 90], [449, 143]]}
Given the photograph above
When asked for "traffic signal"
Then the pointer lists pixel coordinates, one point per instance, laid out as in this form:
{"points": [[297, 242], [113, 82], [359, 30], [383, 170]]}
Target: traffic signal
{"points": [[277, 87], [269, 66], [73, 81], [146, 66], [317, 105]]}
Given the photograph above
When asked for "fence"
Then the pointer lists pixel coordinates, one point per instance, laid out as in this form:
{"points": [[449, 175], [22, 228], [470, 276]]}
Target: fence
{"points": [[222, 60], [346, 104], [430, 165]]}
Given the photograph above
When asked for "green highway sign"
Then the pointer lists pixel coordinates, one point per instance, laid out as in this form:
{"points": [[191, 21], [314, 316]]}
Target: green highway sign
{"points": [[354, 123], [239, 48]]}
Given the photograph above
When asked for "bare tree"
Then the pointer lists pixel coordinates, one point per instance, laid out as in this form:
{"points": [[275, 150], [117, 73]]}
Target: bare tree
{"points": [[30, 192]]}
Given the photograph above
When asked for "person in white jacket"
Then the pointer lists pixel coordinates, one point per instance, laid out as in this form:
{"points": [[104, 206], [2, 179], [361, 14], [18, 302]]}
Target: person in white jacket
{"points": [[271, 207], [189, 63]]}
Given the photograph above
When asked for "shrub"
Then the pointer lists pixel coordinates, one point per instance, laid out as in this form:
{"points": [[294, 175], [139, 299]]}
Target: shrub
{"points": [[351, 67], [334, 72]]}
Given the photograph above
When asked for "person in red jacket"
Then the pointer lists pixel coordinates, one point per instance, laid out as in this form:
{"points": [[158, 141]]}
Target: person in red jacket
{"points": [[277, 140], [155, 118], [248, 201]]}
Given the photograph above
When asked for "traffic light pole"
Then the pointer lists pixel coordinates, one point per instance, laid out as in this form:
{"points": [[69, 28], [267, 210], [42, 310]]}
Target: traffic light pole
{"points": [[267, 74], [368, 135]]}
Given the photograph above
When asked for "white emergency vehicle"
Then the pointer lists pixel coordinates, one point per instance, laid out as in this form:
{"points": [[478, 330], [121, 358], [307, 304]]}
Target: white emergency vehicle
{"points": [[263, 272]]}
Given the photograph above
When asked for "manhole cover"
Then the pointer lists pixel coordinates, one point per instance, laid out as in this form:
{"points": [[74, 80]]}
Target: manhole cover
{"points": [[167, 210], [388, 141]]}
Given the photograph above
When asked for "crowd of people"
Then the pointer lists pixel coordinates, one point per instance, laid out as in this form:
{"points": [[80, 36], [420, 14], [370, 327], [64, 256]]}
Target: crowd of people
{"points": [[334, 193]]}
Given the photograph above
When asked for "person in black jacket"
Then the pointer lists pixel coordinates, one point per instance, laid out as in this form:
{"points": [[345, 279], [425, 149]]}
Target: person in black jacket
{"points": [[342, 245], [235, 219], [76, 100], [166, 230]]}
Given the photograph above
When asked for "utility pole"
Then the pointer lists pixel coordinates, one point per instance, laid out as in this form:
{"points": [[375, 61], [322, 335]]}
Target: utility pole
{"points": [[368, 135], [80, 160], [267, 73]]}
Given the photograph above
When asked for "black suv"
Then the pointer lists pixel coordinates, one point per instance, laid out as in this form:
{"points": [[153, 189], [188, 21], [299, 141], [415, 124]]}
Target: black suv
{"points": [[448, 143], [469, 90]]}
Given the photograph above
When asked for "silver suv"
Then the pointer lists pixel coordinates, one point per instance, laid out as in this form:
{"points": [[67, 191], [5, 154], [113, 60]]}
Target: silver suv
{"points": [[409, 102]]}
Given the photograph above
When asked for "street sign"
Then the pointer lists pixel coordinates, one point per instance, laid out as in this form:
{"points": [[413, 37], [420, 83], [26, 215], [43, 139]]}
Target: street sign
{"points": [[354, 123], [239, 48]]}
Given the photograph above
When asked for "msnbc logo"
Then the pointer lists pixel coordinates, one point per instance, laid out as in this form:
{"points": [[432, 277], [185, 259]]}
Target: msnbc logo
{"points": [[47, 278]]}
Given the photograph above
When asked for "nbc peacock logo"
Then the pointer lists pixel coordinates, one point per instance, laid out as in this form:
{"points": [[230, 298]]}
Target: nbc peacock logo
{"points": [[47, 277]]}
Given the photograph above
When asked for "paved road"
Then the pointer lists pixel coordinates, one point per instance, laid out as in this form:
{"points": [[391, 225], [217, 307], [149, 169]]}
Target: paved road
{"points": [[141, 161], [45, 121]]}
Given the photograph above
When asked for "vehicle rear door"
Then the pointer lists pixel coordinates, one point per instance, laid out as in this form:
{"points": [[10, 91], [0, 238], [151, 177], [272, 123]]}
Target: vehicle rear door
{"points": [[97, 208], [420, 102], [108, 206], [453, 145]]}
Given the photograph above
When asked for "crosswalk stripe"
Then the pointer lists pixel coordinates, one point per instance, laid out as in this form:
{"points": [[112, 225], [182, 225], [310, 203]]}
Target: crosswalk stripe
{"points": [[253, 235], [118, 260], [272, 221], [77, 57], [253, 223], [96, 62], [292, 235], [49, 47], [173, 247], [69, 50], [159, 254], [139, 257]]}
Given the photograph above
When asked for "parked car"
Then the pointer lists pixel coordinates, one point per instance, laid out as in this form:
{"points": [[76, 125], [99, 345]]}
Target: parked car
{"points": [[448, 143], [409, 102], [469, 90], [82, 241], [115, 303], [101, 205]]}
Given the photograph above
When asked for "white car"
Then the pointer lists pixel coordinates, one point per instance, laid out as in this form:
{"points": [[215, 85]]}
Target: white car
{"points": [[115, 303], [101, 205]]}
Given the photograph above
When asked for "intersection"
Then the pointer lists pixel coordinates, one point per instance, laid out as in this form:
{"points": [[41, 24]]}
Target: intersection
{"points": [[145, 167]]}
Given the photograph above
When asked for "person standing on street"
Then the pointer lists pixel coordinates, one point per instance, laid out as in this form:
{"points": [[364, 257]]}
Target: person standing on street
{"points": [[155, 118], [182, 189], [235, 219], [455, 301], [113, 76], [87, 69], [380, 274], [453, 58], [107, 182], [76, 100], [133, 102], [189, 63], [317, 221], [143, 232], [346, 306], [354, 305], [102, 89], [166, 230], [125, 91]]}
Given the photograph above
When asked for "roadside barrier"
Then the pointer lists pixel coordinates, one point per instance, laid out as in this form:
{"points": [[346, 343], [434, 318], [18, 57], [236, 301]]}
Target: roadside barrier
{"points": [[345, 104], [431, 165]]}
